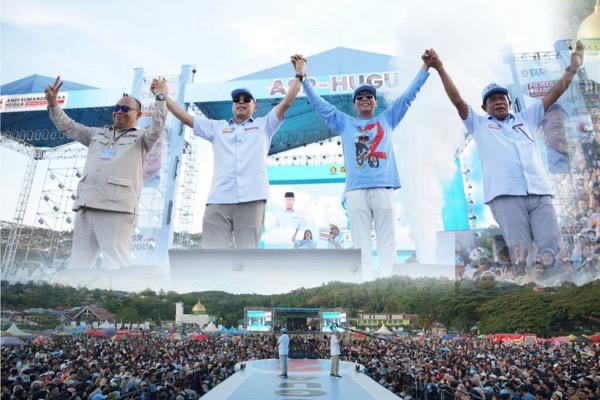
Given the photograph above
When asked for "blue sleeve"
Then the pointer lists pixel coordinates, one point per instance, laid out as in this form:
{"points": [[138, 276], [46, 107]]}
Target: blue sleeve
{"points": [[396, 112], [328, 113]]}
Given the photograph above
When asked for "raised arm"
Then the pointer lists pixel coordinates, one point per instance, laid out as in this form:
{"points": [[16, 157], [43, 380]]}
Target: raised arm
{"points": [[561, 86], [290, 96], [157, 128], [331, 115], [160, 87], [451, 90], [71, 129], [400, 106]]}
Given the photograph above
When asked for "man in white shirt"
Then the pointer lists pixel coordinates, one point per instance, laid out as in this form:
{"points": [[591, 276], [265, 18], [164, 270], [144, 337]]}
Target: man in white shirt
{"points": [[334, 347], [284, 342], [235, 209], [515, 183]]}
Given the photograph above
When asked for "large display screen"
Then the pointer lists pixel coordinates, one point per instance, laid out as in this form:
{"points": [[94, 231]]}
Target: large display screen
{"points": [[332, 320], [259, 320]]}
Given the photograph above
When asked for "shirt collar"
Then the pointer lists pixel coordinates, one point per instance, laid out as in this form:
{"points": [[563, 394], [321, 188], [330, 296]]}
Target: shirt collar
{"points": [[510, 116], [112, 127], [248, 121]]}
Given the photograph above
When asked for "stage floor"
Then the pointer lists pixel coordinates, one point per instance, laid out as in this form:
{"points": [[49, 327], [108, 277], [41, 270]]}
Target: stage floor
{"points": [[307, 379]]}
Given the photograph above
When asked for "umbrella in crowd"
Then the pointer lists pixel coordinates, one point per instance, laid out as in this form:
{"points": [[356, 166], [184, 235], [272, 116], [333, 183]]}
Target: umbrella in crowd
{"points": [[582, 339]]}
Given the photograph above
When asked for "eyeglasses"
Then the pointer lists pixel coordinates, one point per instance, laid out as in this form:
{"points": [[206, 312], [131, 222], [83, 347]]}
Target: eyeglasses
{"points": [[124, 108], [244, 99], [368, 97]]}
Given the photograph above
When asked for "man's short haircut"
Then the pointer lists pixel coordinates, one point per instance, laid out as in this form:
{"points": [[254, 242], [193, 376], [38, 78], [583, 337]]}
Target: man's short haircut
{"points": [[137, 102]]}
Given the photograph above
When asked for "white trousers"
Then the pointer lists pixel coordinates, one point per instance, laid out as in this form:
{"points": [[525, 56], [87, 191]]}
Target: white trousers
{"points": [[368, 206], [98, 231]]}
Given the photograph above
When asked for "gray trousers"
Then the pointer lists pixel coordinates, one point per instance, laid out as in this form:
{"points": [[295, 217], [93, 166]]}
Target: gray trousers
{"points": [[335, 365], [526, 219], [98, 231], [237, 226], [283, 360]]}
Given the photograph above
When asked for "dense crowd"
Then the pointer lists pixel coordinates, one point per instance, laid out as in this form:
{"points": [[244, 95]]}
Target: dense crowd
{"points": [[156, 368]]}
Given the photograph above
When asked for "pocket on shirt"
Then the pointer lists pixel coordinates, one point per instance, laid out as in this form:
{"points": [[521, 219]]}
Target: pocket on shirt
{"points": [[120, 188]]}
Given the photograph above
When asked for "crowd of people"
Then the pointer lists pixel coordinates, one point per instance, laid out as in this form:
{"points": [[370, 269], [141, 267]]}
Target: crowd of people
{"points": [[148, 367]]}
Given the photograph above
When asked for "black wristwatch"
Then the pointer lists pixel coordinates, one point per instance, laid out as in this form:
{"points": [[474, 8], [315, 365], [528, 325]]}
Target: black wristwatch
{"points": [[571, 70], [160, 97], [301, 77]]}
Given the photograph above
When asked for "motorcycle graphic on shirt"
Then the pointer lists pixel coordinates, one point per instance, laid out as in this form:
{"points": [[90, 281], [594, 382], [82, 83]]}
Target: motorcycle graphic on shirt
{"points": [[366, 149]]}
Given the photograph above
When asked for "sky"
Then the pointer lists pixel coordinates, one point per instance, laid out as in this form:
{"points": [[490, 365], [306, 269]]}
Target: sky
{"points": [[100, 43]]}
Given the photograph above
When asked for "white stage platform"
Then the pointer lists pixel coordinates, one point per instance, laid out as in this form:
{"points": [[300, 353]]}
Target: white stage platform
{"points": [[307, 379], [242, 271]]}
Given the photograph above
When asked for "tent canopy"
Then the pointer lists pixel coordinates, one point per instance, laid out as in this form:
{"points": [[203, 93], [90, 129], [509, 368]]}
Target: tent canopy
{"points": [[15, 331], [29, 122], [383, 330]]}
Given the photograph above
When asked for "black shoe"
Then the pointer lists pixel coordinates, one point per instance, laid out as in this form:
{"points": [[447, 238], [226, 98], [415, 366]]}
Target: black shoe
{"points": [[338, 376], [284, 375]]}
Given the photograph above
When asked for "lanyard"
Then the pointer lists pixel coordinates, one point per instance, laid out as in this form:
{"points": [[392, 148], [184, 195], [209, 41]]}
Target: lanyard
{"points": [[114, 140]]}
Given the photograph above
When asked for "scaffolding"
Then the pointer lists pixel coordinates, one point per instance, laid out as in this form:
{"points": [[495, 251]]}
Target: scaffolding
{"points": [[14, 234], [45, 243], [187, 196]]}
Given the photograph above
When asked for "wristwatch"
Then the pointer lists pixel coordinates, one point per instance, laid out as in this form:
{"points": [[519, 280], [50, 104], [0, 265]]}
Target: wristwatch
{"points": [[301, 77], [160, 97], [571, 70]]}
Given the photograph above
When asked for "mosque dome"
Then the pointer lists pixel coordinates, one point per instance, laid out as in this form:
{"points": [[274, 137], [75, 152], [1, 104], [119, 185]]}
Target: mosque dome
{"points": [[199, 308], [590, 27]]}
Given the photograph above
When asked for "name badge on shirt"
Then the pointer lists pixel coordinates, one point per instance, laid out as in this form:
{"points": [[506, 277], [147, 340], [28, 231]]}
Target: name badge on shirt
{"points": [[228, 130], [107, 154], [494, 126]]}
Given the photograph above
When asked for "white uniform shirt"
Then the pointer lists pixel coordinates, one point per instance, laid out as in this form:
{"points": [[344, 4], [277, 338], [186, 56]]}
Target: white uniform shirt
{"points": [[284, 342], [334, 346], [240, 157], [511, 160]]}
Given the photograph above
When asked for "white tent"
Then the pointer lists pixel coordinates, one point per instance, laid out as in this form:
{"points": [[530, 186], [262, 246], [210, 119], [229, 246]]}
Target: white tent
{"points": [[13, 330], [383, 330], [210, 328], [106, 325]]}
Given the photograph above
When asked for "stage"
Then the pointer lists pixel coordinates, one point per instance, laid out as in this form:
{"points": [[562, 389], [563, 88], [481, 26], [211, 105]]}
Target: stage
{"points": [[264, 271], [307, 379]]}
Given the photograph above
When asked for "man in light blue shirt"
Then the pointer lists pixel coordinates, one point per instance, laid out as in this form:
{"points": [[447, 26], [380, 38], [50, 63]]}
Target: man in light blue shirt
{"points": [[283, 343], [515, 184], [371, 173], [235, 209]]}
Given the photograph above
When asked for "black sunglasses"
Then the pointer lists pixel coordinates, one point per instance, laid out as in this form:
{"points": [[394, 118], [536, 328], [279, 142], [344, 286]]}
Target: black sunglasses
{"points": [[123, 107], [244, 99], [368, 97]]}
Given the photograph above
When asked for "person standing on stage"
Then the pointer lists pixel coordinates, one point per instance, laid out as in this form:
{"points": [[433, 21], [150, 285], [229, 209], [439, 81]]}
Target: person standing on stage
{"points": [[516, 187], [108, 193], [371, 173], [334, 349], [235, 209], [284, 342]]}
